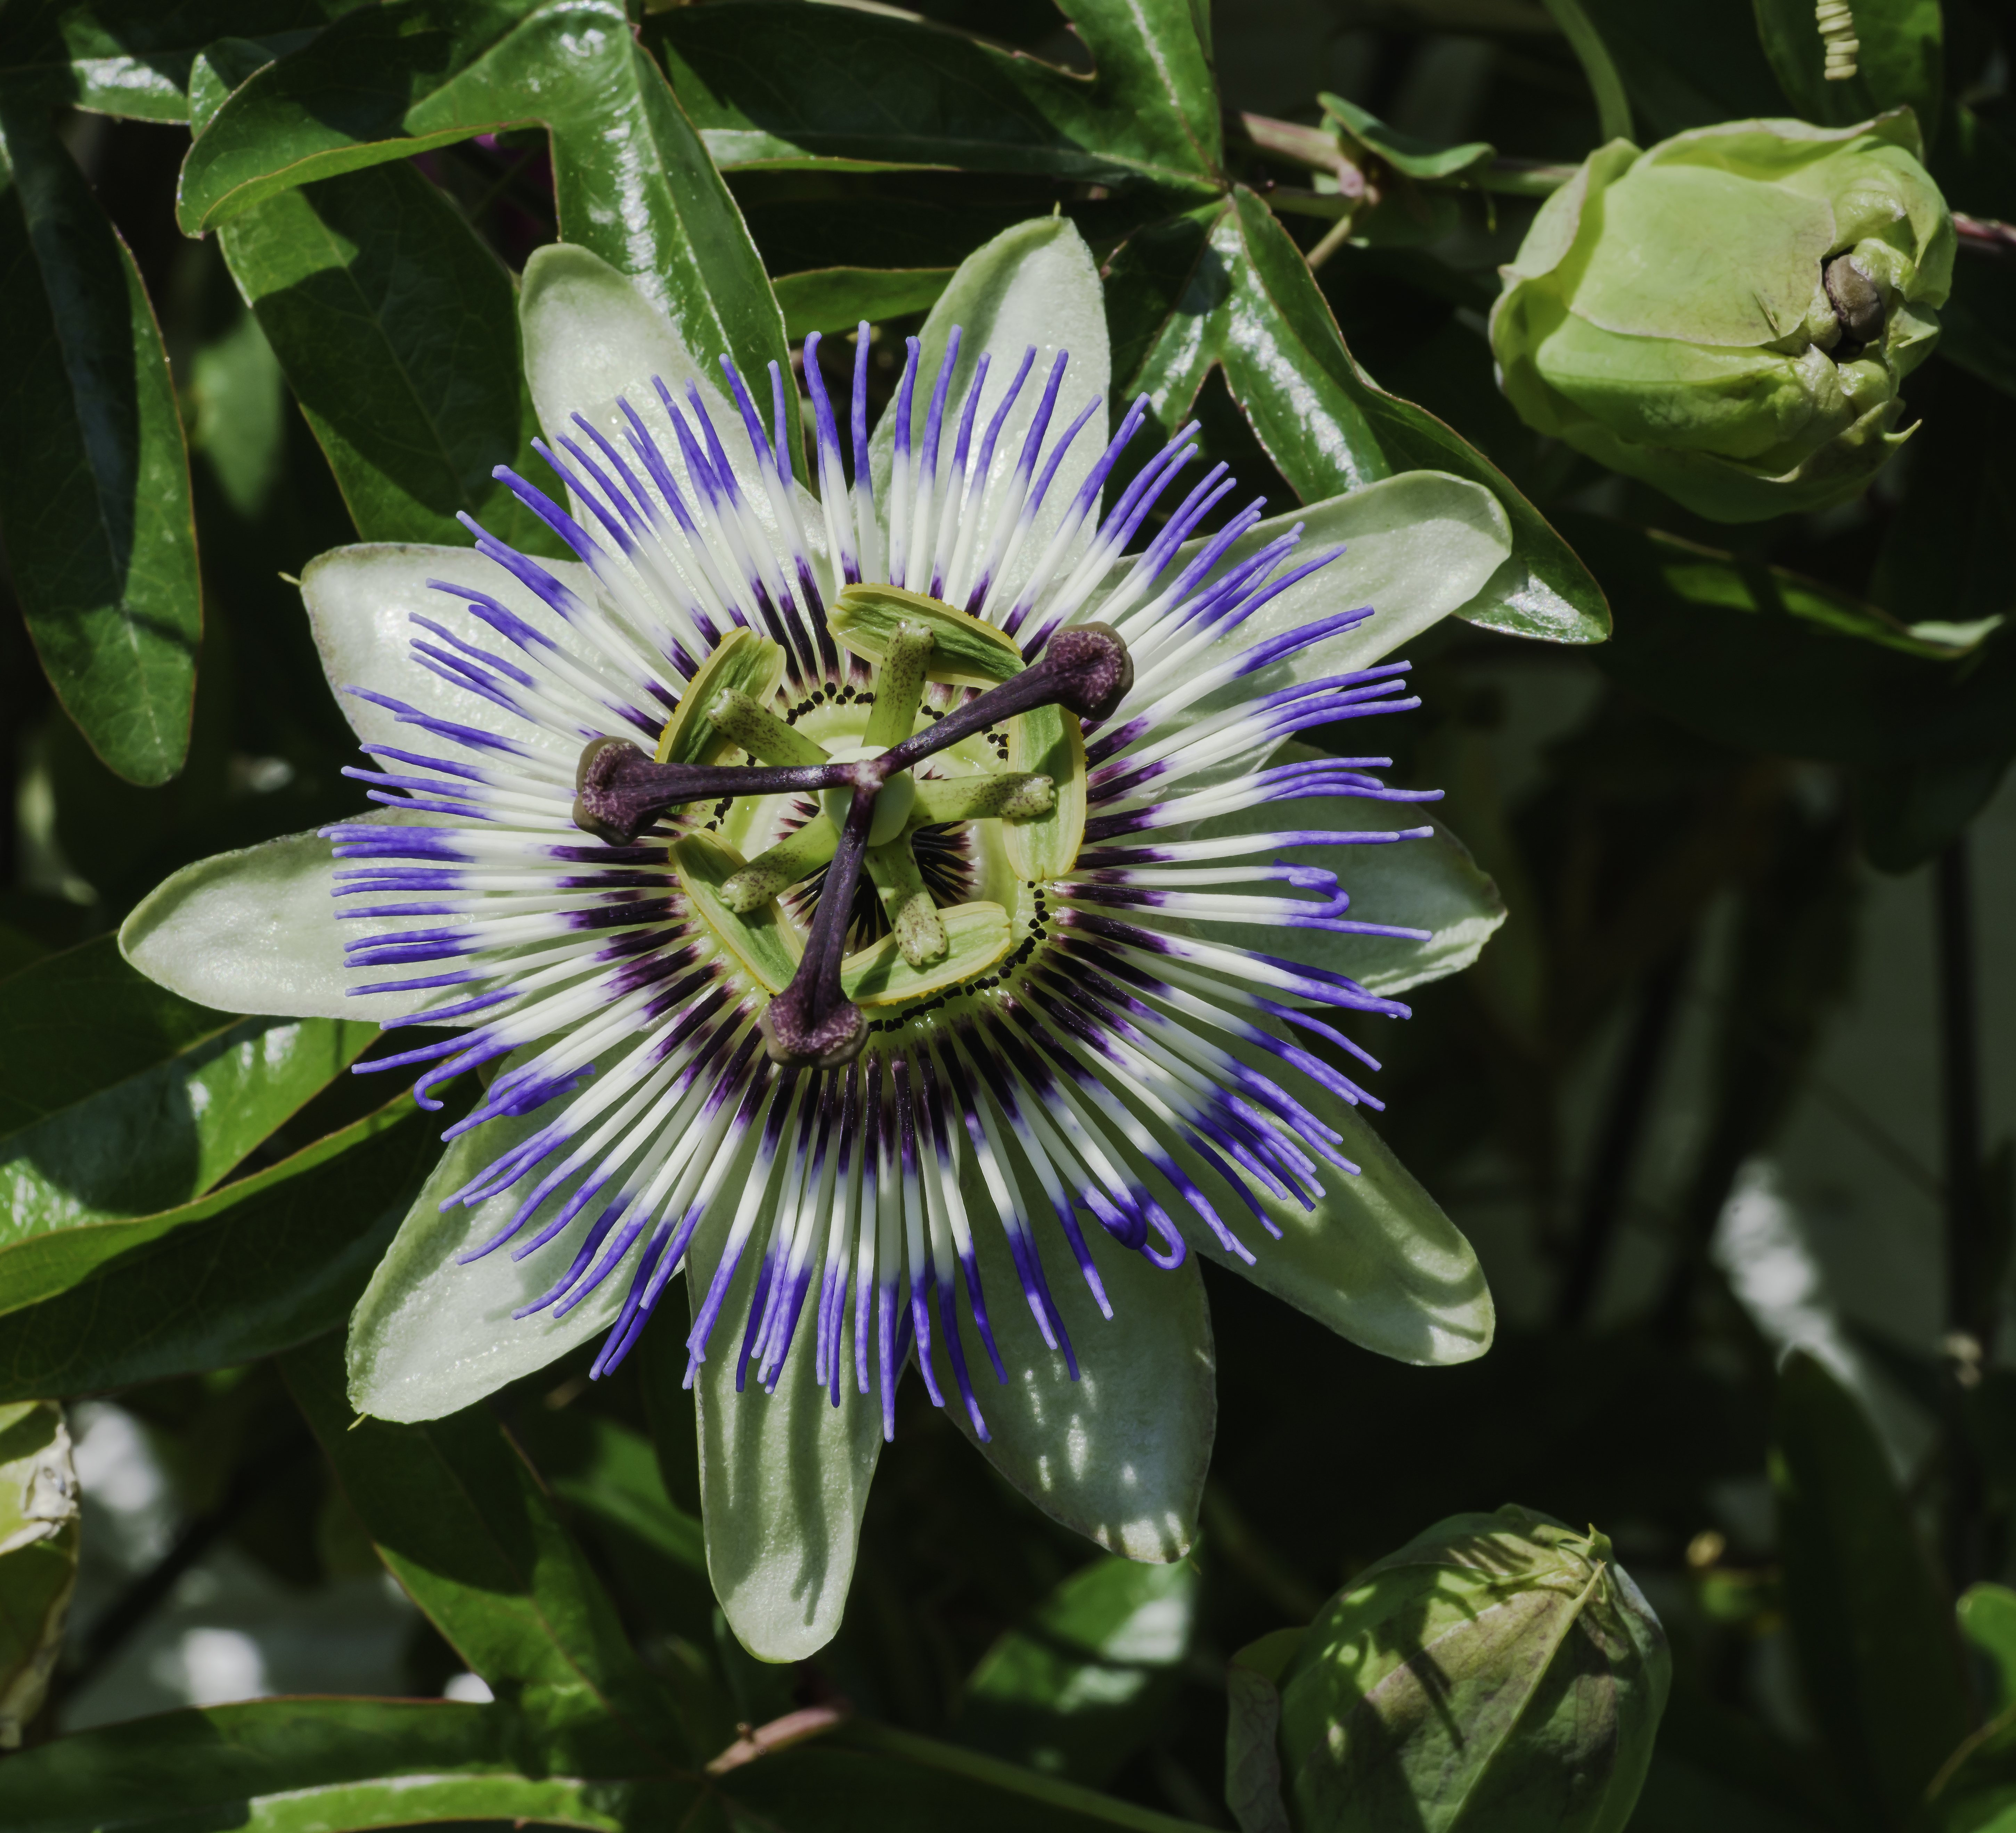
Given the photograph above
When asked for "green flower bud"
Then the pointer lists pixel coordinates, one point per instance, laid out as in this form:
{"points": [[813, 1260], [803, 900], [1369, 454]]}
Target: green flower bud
{"points": [[1728, 315], [1500, 1673]]}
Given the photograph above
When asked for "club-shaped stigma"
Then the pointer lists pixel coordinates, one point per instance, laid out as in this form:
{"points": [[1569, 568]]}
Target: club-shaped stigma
{"points": [[619, 792], [1086, 670]]}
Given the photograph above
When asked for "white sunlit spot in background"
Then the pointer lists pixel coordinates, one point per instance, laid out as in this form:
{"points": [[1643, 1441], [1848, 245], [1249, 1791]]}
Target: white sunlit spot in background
{"points": [[212, 1666]]}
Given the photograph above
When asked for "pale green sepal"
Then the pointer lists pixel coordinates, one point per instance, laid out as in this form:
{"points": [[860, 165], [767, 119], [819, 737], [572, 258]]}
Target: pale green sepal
{"points": [[590, 335], [361, 601], [256, 931], [1430, 884], [1376, 1259], [1120, 1454], [783, 1476], [1035, 284], [430, 1336]]}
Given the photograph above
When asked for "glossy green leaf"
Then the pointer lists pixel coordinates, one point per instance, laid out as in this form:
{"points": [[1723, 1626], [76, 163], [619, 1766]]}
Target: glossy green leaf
{"points": [[1430, 884], [784, 1475], [835, 300], [309, 1766], [607, 1474], [241, 1274], [1076, 1689], [398, 333], [1753, 656], [133, 57], [861, 1776], [1227, 286], [771, 84], [632, 181], [464, 1523], [40, 1505], [1874, 1636], [1119, 1454], [95, 507], [94, 1181], [1898, 61]]}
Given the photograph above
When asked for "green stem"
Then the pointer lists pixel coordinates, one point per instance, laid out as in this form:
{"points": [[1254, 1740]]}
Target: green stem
{"points": [[1613, 110]]}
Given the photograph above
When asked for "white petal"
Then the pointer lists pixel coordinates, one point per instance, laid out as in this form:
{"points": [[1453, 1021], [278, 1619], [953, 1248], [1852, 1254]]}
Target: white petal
{"points": [[1035, 284], [257, 931], [430, 1337], [784, 1481], [1376, 1259], [360, 603], [1431, 883], [1120, 1454], [590, 335]]}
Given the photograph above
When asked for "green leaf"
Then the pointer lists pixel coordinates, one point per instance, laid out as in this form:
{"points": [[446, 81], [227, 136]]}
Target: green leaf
{"points": [[134, 57], [1405, 153], [773, 84], [607, 1473], [398, 333], [837, 299], [1077, 1690], [1752, 655], [1227, 286], [1898, 61], [39, 1508], [307, 1766], [462, 1523], [95, 505], [864, 1778], [632, 178], [252, 1270], [1613, 110], [1987, 1616], [1874, 1636]]}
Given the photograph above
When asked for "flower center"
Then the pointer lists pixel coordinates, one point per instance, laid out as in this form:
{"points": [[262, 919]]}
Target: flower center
{"points": [[893, 801], [869, 804]]}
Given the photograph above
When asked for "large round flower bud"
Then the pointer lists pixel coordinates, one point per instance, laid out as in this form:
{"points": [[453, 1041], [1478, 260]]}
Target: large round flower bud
{"points": [[1500, 1673], [1728, 315]]}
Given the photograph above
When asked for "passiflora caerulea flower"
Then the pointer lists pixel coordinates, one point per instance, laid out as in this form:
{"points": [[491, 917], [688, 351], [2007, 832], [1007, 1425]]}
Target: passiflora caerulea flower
{"points": [[905, 910]]}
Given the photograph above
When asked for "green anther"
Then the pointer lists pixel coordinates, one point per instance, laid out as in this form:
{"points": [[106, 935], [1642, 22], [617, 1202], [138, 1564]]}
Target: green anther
{"points": [[899, 685], [760, 732], [978, 936], [1013, 794], [742, 660], [967, 651], [914, 917], [796, 856]]}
